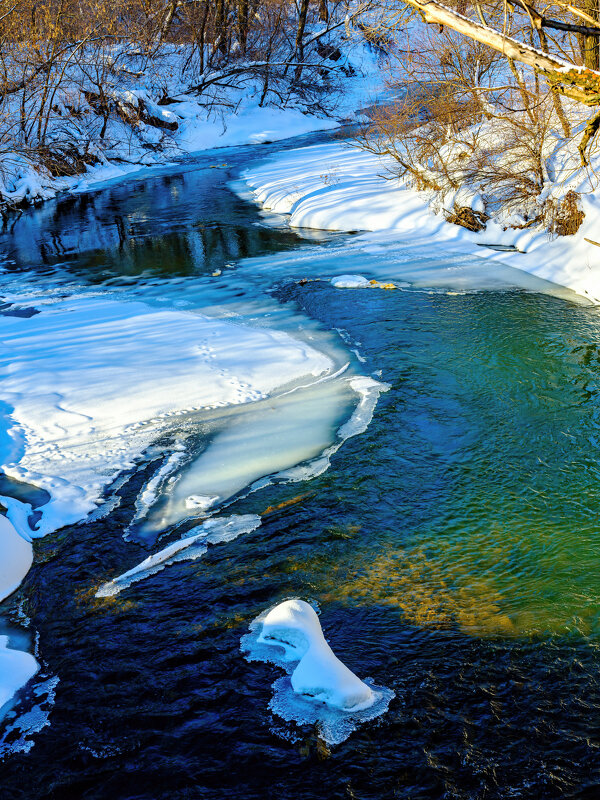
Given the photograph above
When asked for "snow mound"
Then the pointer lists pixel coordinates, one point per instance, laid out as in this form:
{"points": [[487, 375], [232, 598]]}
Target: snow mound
{"points": [[193, 546], [16, 557], [332, 186], [350, 282], [320, 688], [16, 668]]}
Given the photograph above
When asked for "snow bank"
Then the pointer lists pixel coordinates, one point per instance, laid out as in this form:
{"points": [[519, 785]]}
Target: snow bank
{"points": [[193, 545], [239, 117], [91, 381], [16, 668], [335, 186], [16, 557], [290, 636]]}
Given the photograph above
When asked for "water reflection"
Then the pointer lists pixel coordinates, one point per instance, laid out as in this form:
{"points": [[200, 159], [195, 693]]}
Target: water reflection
{"points": [[182, 223]]}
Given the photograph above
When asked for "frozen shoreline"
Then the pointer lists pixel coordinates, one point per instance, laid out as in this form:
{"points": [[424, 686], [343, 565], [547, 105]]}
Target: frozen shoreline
{"points": [[335, 186]]}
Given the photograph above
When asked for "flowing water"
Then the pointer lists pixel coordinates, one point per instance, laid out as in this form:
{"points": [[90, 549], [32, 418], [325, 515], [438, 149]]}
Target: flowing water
{"points": [[452, 547]]}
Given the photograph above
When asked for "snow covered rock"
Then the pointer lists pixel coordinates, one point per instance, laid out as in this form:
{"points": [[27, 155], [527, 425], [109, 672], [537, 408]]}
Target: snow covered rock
{"points": [[294, 625], [350, 282], [320, 689]]}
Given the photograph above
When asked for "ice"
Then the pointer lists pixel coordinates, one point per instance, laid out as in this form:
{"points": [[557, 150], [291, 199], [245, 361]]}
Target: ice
{"points": [[16, 669], [16, 557], [320, 688], [194, 545], [368, 390], [20, 727], [266, 438], [350, 282], [91, 381]]}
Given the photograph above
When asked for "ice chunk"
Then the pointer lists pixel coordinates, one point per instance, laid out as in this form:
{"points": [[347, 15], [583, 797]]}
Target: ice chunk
{"points": [[16, 668], [194, 545], [350, 282], [320, 689], [16, 736], [16, 557]]}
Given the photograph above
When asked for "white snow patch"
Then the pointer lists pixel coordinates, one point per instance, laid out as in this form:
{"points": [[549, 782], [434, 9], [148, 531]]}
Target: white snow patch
{"points": [[324, 690]]}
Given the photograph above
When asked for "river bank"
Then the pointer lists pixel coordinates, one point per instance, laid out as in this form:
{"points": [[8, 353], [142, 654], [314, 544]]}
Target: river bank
{"points": [[337, 186]]}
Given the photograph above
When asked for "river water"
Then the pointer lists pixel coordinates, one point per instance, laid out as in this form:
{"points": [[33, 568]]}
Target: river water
{"points": [[452, 547]]}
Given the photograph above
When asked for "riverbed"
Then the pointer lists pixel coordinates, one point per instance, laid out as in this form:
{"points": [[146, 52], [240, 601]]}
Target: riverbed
{"points": [[451, 547]]}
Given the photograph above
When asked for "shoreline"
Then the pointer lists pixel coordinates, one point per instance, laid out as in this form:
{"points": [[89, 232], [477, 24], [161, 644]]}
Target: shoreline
{"points": [[337, 187]]}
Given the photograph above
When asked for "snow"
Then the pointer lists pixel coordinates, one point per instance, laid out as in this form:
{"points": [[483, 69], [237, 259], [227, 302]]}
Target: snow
{"points": [[194, 545], [16, 557], [91, 380], [16, 669], [290, 636], [350, 282], [335, 186], [239, 116]]}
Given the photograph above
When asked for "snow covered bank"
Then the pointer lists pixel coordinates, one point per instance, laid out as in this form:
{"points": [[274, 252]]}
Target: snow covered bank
{"points": [[251, 125], [91, 381], [323, 689], [153, 116], [337, 187]]}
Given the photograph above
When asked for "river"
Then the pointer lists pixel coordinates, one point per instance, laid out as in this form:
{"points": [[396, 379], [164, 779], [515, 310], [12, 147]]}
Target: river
{"points": [[452, 547]]}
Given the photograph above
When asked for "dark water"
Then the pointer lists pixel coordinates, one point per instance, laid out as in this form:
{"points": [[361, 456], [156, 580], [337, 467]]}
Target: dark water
{"points": [[453, 548]]}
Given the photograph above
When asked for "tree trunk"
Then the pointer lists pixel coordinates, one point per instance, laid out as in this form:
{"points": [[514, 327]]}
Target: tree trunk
{"points": [[242, 21], [220, 31], [300, 39], [590, 52]]}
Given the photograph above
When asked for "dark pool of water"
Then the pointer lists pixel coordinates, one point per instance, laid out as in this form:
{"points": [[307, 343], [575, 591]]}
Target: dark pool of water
{"points": [[453, 549]]}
